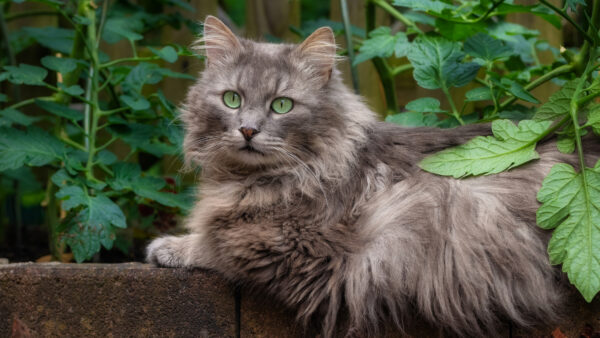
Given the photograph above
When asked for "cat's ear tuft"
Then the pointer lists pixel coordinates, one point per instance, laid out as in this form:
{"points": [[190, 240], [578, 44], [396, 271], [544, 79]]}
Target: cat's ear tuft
{"points": [[218, 41], [319, 50]]}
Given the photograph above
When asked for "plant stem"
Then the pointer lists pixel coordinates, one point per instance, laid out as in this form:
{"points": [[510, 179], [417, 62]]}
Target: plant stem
{"points": [[455, 112], [396, 14], [135, 58], [568, 18], [348, 34], [401, 69], [95, 112], [383, 69], [540, 80], [26, 14]]}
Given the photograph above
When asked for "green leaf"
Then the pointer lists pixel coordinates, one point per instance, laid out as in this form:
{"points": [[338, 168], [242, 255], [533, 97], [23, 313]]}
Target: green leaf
{"points": [[60, 65], [571, 204], [593, 117], [33, 147], [425, 105], [167, 53], [486, 47], [430, 6], [59, 110], [572, 4], [118, 28], [565, 144], [16, 117], [93, 224], [106, 157], [413, 119], [457, 31], [382, 44], [128, 176], [510, 147], [3, 97], [26, 74], [559, 103], [135, 103], [58, 39], [72, 90], [438, 63], [478, 94], [517, 90]]}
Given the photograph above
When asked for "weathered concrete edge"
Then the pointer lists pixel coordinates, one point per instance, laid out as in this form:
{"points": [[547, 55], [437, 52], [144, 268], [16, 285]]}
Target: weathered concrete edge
{"points": [[134, 299]]}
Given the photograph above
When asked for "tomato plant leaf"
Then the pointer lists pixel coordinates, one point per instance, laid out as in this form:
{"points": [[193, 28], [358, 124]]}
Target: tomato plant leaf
{"points": [[438, 63], [167, 53], [381, 43], [94, 223], [25, 74], [425, 105], [571, 206], [58, 39], [60, 65], [14, 116], [486, 47], [558, 104], [59, 110], [33, 147], [510, 147]]}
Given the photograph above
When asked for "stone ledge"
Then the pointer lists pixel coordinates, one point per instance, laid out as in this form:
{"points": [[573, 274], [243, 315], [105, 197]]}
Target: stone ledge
{"points": [[138, 300]]}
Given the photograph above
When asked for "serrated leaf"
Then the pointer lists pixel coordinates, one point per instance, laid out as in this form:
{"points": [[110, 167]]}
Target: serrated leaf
{"points": [[93, 225], [16, 117], [59, 110], [517, 90], [60, 65], [106, 157], [458, 31], [478, 94], [558, 104], [381, 43], [58, 39], [71, 90], [26, 74], [571, 204], [593, 118], [135, 103], [413, 119], [510, 147], [438, 63], [128, 176], [430, 6], [167, 53], [118, 28], [33, 147], [486, 47], [425, 105]]}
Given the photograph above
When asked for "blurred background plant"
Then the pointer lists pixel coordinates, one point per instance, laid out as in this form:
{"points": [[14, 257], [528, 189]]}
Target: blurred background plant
{"points": [[90, 143]]}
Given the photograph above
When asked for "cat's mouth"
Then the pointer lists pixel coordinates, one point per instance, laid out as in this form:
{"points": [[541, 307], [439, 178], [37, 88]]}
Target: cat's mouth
{"points": [[250, 149]]}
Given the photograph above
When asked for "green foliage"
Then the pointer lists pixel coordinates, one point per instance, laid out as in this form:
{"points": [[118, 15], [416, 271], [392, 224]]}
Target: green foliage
{"points": [[571, 206], [92, 101], [451, 44]]}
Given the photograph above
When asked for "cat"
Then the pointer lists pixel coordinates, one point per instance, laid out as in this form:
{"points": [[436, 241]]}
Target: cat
{"points": [[307, 196]]}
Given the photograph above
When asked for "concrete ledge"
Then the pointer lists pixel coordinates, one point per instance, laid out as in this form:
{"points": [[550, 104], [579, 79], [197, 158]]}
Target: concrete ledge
{"points": [[137, 300]]}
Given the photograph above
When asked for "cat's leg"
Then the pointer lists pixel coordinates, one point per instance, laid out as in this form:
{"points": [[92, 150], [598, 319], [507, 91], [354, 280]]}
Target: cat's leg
{"points": [[179, 251]]}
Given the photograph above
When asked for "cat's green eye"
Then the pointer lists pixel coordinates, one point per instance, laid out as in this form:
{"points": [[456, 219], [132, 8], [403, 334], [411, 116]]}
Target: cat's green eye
{"points": [[282, 105], [232, 99]]}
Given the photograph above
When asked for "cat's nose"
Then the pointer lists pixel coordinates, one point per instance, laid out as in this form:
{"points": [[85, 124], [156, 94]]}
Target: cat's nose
{"points": [[248, 133]]}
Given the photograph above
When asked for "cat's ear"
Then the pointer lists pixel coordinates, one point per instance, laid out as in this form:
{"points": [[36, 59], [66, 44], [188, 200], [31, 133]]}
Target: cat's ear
{"points": [[319, 51], [218, 41]]}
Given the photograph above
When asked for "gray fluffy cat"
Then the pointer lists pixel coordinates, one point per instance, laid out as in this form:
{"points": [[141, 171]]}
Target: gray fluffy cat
{"points": [[306, 196]]}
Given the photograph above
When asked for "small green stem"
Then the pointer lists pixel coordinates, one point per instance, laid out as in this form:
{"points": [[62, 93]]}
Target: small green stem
{"points": [[135, 58], [105, 145], [114, 111], [27, 14], [455, 112], [396, 14], [568, 18], [401, 69], [540, 80], [348, 34], [28, 102], [72, 143]]}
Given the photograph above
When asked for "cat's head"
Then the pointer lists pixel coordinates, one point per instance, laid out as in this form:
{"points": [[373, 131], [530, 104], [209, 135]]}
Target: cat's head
{"points": [[260, 105]]}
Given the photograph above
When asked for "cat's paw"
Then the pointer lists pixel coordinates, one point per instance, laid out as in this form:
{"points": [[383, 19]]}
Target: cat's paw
{"points": [[164, 252]]}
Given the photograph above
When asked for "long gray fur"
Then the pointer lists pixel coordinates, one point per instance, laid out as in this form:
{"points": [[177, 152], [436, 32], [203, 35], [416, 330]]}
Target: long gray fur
{"points": [[331, 213]]}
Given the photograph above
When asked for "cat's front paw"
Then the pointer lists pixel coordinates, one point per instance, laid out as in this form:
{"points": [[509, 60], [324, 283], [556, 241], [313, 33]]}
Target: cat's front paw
{"points": [[164, 252]]}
